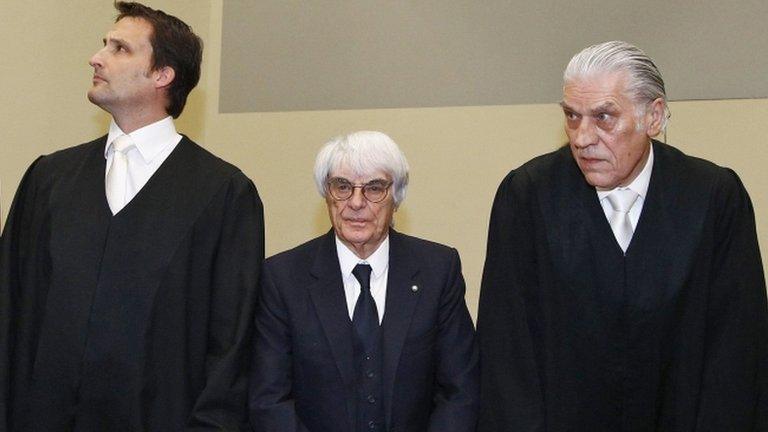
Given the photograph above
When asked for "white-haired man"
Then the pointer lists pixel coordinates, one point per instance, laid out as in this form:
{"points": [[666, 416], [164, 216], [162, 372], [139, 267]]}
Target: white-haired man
{"points": [[364, 328], [623, 288]]}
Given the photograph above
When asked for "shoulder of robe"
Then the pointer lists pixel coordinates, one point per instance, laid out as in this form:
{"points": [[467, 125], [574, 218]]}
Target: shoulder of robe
{"points": [[700, 174], [207, 162], [63, 162], [210, 169], [539, 170]]}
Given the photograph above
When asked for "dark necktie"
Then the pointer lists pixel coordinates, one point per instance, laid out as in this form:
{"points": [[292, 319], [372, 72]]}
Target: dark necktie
{"points": [[365, 318]]}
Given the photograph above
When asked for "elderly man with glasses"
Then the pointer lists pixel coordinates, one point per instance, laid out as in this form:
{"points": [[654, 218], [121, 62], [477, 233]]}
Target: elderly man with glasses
{"points": [[364, 328]]}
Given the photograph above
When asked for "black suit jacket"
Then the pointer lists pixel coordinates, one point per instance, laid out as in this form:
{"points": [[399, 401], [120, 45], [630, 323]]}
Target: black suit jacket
{"points": [[303, 371]]}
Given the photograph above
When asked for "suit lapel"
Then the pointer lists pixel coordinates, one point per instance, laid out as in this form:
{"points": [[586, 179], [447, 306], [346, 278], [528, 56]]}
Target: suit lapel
{"points": [[327, 294], [400, 306]]}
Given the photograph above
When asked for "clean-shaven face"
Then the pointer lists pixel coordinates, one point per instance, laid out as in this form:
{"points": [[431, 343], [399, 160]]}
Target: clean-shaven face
{"points": [[359, 223], [608, 140]]}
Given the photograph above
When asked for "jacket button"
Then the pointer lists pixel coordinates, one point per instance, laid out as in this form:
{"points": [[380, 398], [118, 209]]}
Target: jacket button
{"points": [[371, 399]]}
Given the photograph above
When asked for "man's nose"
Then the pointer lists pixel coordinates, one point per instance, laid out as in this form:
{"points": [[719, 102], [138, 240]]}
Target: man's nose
{"points": [[585, 135], [357, 200], [95, 60]]}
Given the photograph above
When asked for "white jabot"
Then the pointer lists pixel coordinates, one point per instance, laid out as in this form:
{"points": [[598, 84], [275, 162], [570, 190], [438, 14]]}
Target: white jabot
{"points": [[152, 145], [117, 176], [379, 262], [622, 200], [640, 186]]}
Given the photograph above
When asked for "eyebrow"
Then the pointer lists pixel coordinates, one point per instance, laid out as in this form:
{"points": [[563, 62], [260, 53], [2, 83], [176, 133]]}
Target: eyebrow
{"points": [[116, 40], [605, 106]]}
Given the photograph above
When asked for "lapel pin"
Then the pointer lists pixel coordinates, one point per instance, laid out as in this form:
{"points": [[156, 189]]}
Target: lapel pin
{"points": [[414, 288]]}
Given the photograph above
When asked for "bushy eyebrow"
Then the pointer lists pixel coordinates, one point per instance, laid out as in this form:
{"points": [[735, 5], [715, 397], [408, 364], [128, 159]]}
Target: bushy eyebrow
{"points": [[605, 106], [567, 107], [350, 182]]}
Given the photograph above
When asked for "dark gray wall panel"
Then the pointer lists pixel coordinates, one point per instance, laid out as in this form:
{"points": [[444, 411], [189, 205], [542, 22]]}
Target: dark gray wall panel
{"points": [[283, 55]]}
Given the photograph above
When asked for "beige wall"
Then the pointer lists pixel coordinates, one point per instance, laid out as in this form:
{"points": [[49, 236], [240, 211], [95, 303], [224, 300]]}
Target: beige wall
{"points": [[457, 155]]}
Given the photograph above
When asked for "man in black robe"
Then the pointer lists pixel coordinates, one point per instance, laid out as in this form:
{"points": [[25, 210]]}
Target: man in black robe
{"points": [[650, 316], [129, 265]]}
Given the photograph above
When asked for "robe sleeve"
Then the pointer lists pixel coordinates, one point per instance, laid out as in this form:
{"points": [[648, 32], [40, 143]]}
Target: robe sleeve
{"points": [[511, 396], [222, 404], [735, 381], [272, 406], [12, 250]]}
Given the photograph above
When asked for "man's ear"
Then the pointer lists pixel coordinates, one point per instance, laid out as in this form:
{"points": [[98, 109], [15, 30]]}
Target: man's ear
{"points": [[164, 76], [655, 117]]}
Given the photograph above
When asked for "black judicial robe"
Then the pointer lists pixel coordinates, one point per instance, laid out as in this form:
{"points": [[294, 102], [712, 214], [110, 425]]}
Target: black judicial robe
{"points": [[140, 321], [576, 336]]}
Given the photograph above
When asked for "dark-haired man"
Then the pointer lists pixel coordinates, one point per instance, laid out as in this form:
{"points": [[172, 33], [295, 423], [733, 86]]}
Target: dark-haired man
{"points": [[129, 264]]}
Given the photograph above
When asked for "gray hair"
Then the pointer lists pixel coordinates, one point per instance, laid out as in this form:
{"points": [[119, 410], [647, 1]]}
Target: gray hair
{"points": [[363, 152], [645, 83]]}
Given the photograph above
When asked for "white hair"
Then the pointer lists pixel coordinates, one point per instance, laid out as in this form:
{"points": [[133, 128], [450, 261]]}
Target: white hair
{"points": [[363, 152], [645, 83]]}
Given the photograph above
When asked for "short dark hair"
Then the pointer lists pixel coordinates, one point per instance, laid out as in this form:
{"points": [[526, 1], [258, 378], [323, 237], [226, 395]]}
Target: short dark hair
{"points": [[174, 44]]}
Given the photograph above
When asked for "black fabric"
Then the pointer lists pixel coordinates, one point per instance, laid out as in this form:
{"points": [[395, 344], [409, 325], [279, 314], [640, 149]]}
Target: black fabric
{"points": [[369, 411], [576, 336], [139, 321], [304, 370], [365, 318], [367, 352]]}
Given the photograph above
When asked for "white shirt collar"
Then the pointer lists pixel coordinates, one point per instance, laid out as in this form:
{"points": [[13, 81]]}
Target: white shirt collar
{"points": [[379, 259], [149, 140], [640, 183]]}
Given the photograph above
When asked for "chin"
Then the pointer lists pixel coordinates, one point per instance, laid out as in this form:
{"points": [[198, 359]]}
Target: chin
{"points": [[357, 237], [93, 96], [599, 181]]}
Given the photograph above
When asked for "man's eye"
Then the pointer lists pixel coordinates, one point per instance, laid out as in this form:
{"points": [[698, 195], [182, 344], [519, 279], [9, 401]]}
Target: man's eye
{"points": [[603, 117], [571, 115], [343, 186], [375, 187]]}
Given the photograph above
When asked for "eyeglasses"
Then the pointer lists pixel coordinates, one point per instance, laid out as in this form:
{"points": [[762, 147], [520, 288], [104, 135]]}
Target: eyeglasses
{"points": [[374, 191]]}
